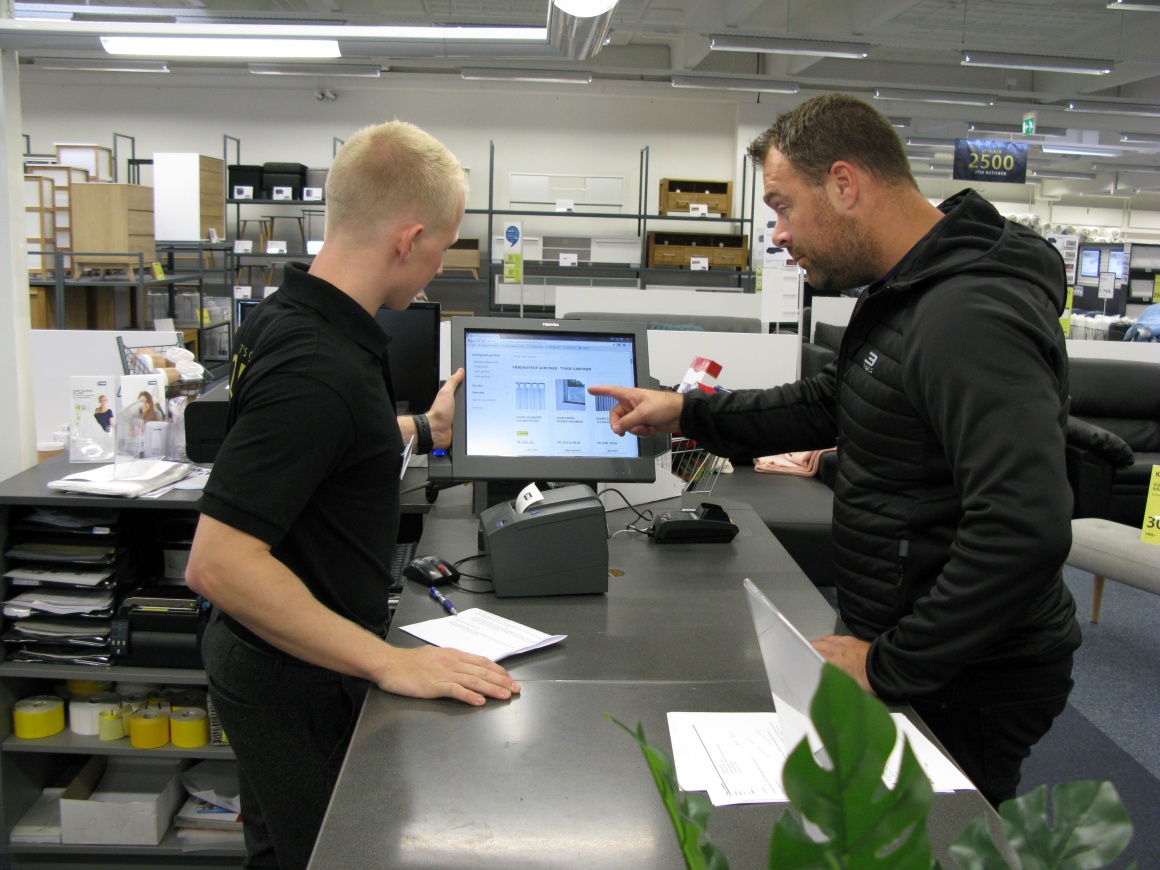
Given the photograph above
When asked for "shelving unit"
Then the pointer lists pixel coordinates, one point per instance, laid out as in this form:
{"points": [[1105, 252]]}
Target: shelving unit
{"points": [[40, 223], [215, 334], [28, 766]]}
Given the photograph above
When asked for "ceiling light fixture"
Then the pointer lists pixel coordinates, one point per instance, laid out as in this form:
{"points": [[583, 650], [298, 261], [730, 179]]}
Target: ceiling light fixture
{"points": [[725, 83], [1012, 129], [900, 123], [1135, 5], [205, 46], [1077, 151], [1126, 167], [1002, 60], [1147, 138], [1098, 108], [924, 142], [1050, 173], [365, 71], [527, 75], [577, 28], [98, 65], [955, 98], [775, 45]]}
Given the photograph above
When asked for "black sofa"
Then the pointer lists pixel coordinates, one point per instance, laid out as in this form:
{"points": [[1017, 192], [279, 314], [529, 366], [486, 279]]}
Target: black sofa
{"points": [[1113, 437]]}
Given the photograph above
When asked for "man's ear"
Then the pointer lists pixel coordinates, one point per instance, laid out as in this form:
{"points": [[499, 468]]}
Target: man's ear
{"points": [[405, 241], [843, 183]]}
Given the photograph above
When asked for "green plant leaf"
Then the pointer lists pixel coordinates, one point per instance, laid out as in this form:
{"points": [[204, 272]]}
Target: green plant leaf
{"points": [[1091, 830], [862, 823], [689, 813]]}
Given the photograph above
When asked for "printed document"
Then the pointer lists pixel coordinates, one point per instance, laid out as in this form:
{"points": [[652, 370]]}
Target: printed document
{"points": [[482, 633], [737, 758]]}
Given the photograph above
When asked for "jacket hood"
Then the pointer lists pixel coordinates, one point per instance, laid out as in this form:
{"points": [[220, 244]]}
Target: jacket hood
{"points": [[974, 237]]}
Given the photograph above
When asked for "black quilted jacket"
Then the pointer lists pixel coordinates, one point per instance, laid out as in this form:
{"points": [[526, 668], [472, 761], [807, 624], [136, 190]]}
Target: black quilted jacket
{"points": [[947, 401]]}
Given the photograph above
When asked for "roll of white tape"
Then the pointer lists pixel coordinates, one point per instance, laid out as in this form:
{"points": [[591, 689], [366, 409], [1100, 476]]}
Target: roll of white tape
{"points": [[84, 713], [178, 354]]}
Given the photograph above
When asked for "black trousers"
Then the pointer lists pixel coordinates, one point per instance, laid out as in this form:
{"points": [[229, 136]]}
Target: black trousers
{"points": [[988, 718], [289, 724]]}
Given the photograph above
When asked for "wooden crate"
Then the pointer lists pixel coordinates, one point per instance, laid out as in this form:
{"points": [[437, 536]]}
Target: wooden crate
{"points": [[40, 224], [677, 194], [463, 254], [723, 250]]}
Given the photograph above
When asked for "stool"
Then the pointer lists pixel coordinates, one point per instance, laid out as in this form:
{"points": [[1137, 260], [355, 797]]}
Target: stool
{"points": [[250, 267], [264, 228], [310, 214], [1113, 551], [289, 217]]}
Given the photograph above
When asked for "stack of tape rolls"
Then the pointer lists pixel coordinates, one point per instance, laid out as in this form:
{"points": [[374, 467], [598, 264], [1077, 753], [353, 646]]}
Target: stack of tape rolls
{"points": [[135, 700], [84, 713], [182, 698], [189, 727], [149, 728], [127, 687], [38, 716], [113, 724]]}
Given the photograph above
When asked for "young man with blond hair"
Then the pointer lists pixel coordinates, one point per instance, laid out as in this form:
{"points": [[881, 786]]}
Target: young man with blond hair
{"points": [[300, 514]]}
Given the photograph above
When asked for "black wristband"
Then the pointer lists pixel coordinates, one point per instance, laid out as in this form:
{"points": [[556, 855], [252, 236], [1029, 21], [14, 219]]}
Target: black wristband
{"points": [[424, 443]]}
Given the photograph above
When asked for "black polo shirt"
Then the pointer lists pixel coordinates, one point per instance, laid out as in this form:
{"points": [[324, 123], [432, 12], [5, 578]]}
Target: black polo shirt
{"points": [[312, 456]]}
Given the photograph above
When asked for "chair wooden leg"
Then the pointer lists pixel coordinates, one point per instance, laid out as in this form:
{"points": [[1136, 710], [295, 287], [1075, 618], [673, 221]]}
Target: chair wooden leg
{"points": [[1097, 596]]}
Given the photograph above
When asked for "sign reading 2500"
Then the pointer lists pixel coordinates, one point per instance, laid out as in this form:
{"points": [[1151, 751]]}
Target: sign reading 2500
{"points": [[986, 160]]}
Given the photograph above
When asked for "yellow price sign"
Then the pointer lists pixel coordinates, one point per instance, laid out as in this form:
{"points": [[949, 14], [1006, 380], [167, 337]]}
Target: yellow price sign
{"points": [[1150, 533], [1156, 289]]}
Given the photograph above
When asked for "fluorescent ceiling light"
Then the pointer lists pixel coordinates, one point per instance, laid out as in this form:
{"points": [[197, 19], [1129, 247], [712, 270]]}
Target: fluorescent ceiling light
{"points": [[366, 71], [1126, 167], [578, 28], [1149, 138], [204, 46], [1112, 108], [98, 65], [775, 45], [934, 97], [1135, 5], [931, 173], [900, 123], [1001, 60], [924, 142], [1077, 151], [527, 75], [1012, 129], [56, 27], [1063, 173], [725, 83]]}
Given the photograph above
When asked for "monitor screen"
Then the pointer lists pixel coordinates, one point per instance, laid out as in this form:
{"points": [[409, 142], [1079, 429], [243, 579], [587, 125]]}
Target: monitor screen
{"points": [[1116, 263], [524, 412], [413, 354], [242, 308], [1089, 263]]}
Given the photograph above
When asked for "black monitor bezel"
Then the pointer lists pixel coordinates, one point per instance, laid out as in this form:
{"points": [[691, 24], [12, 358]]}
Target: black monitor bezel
{"points": [[604, 469], [434, 313], [1099, 262]]}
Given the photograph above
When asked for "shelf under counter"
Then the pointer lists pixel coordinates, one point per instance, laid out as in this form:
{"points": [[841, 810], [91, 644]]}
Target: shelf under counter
{"points": [[68, 743], [169, 846], [124, 673]]}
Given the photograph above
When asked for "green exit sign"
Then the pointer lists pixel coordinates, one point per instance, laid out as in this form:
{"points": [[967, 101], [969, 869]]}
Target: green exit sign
{"points": [[1028, 123]]}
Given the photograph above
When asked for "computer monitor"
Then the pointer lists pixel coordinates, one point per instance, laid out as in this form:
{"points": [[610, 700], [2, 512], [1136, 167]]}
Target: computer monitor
{"points": [[1089, 263], [242, 308], [524, 412], [1116, 263], [413, 354]]}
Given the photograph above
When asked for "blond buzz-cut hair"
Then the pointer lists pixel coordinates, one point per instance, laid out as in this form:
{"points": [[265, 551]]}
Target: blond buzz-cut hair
{"points": [[390, 172]]}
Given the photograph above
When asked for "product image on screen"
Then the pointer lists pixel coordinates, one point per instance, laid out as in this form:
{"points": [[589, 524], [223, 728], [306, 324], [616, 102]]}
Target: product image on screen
{"points": [[1089, 263], [527, 395], [1116, 262]]}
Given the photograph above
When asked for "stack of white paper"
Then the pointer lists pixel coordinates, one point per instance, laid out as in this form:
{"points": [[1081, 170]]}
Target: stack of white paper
{"points": [[482, 633], [59, 601]]}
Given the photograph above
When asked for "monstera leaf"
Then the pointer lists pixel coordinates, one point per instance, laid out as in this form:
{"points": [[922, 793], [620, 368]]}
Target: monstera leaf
{"points": [[860, 822], [1091, 830], [689, 812]]}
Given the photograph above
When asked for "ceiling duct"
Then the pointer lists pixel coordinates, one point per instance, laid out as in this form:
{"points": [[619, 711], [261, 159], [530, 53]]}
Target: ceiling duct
{"points": [[577, 28]]}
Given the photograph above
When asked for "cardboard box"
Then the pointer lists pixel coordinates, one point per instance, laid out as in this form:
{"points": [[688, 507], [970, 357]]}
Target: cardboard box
{"points": [[121, 801]]}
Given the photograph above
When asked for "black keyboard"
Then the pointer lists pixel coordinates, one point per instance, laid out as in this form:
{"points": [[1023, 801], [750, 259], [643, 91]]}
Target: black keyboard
{"points": [[403, 556]]}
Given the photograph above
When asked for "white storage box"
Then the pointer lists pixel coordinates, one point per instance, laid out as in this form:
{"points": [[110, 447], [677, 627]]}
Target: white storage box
{"points": [[121, 801]]}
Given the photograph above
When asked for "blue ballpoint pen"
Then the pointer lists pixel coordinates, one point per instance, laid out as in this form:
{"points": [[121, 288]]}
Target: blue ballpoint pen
{"points": [[443, 602]]}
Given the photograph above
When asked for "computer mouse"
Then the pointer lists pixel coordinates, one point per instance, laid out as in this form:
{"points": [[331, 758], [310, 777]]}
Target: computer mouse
{"points": [[431, 571]]}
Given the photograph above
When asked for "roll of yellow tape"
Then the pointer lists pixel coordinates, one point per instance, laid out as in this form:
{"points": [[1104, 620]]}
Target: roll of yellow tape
{"points": [[88, 687], [189, 727], [111, 724], [136, 700], [149, 729], [38, 716]]}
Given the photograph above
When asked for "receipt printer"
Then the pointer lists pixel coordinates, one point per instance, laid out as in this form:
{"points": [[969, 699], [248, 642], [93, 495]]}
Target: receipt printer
{"points": [[557, 545]]}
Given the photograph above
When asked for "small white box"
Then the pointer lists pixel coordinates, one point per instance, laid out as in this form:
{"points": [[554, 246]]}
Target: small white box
{"points": [[312, 194], [243, 191], [283, 193], [121, 801], [275, 247], [699, 264]]}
